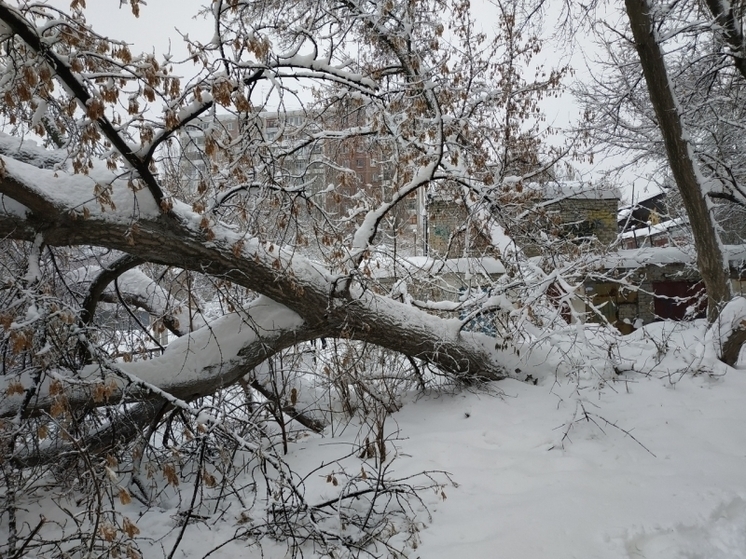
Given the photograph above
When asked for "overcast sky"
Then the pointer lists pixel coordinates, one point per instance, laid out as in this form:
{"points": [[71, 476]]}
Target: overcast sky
{"points": [[161, 23], [155, 29]]}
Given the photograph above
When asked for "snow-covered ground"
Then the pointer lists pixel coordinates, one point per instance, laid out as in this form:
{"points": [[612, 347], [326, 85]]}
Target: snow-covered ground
{"points": [[601, 493], [641, 466]]}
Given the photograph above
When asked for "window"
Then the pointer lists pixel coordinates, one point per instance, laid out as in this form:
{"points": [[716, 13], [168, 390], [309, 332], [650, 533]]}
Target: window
{"points": [[360, 163]]}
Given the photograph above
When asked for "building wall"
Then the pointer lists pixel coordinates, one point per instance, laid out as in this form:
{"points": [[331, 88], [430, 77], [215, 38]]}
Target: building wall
{"points": [[195, 165], [450, 232], [357, 168], [627, 307], [588, 217]]}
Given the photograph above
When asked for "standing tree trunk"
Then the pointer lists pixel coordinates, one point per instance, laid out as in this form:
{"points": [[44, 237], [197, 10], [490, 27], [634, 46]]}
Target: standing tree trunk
{"points": [[711, 261]]}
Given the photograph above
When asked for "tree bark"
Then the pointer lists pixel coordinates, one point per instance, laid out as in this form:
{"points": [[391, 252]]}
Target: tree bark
{"points": [[123, 430], [710, 259], [731, 349]]}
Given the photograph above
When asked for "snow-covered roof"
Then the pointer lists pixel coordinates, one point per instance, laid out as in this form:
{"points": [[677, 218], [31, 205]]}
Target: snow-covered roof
{"points": [[655, 229], [648, 192], [628, 209], [660, 256]]}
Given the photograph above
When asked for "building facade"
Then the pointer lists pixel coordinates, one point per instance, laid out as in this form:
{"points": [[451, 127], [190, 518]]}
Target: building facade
{"points": [[299, 151]]}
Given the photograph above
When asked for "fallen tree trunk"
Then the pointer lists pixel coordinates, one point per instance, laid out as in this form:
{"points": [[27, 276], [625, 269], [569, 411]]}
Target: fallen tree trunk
{"points": [[323, 304]]}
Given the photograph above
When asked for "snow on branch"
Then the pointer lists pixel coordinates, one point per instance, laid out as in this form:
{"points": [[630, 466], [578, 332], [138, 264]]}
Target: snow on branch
{"points": [[30, 152], [213, 357], [284, 275], [56, 193], [367, 230]]}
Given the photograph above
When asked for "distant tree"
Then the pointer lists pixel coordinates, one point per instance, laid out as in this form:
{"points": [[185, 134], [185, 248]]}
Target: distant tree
{"points": [[671, 92]]}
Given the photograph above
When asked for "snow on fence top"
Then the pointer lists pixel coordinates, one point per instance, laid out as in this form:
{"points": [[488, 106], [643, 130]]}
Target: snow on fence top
{"points": [[414, 265], [576, 189]]}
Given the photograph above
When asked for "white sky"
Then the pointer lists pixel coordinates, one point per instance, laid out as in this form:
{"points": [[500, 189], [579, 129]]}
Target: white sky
{"points": [[155, 29]]}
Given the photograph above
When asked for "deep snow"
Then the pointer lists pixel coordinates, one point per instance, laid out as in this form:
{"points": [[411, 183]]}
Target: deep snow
{"points": [[641, 465]]}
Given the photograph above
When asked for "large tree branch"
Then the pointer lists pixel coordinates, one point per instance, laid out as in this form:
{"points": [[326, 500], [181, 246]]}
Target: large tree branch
{"points": [[151, 406], [302, 285], [128, 426], [725, 17], [21, 27], [102, 280], [193, 366], [28, 152]]}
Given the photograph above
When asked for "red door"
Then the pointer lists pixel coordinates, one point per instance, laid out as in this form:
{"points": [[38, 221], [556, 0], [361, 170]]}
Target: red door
{"points": [[673, 298]]}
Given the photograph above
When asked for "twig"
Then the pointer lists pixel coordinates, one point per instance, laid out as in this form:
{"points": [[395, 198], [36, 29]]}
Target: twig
{"points": [[19, 552], [188, 512]]}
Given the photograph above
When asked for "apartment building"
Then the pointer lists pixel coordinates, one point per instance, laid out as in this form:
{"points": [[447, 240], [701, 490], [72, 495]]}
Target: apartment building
{"points": [[289, 150]]}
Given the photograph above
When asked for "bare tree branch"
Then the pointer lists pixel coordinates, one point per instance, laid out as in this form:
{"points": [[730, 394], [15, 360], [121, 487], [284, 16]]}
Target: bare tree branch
{"points": [[20, 26]]}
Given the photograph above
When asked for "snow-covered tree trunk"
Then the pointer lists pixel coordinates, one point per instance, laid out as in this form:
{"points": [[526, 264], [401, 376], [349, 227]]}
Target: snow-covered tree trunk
{"points": [[401, 98], [294, 282], [711, 261]]}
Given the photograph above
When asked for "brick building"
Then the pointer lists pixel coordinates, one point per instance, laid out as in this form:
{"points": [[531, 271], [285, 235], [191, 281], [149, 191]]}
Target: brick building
{"points": [[451, 232], [572, 210], [585, 213], [287, 151], [655, 283]]}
